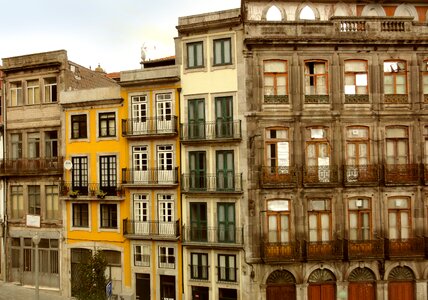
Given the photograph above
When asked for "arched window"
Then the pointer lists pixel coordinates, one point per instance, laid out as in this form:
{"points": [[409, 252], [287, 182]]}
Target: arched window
{"points": [[273, 14], [307, 13]]}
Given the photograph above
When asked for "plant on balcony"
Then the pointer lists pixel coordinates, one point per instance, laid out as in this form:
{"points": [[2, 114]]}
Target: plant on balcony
{"points": [[101, 194], [73, 194]]}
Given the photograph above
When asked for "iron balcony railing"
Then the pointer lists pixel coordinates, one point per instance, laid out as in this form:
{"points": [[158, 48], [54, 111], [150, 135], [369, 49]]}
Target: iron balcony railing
{"points": [[151, 229], [364, 249], [143, 126], [228, 235], [211, 131], [150, 176], [31, 166], [285, 175], [401, 174], [281, 251], [223, 182], [320, 174], [357, 174], [91, 189], [199, 272], [323, 250], [404, 248], [227, 274]]}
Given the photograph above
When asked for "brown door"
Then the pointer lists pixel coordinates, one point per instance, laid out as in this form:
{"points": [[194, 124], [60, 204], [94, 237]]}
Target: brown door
{"points": [[280, 292], [404, 290], [361, 290], [322, 292]]}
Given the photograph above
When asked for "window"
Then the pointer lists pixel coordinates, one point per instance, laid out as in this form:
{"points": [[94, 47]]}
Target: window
{"points": [[425, 77], [16, 143], [140, 162], [34, 200], [225, 170], [399, 218], [197, 169], [80, 214], [397, 145], [395, 77], [359, 219], [33, 92], [227, 294], [79, 127], [33, 145], [52, 202], [227, 267], [316, 77], [79, 175], [166, 214], [307, 13], [108, 174], [226, 222], [17, 201], [273, 14], [199, 266], [164, 122], [196, 118], [224, 117], [165, 155], [278, 215], [141, 213], [108, 216], [107, 124], [275, 79], [16, 97], [319, 217], [198, 222], [50, 90], [356, 77], [195, 56], [317, 155], [141, 255], [222, 52], [277, 150], [166, 257], [51, 144], [358, 154]]}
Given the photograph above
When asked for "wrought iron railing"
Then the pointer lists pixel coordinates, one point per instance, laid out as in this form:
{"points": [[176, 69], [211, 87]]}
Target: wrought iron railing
{"points": [[150, 176], [149, 126], [91, 189], [320, 174], [399, 248], [362, 249], [206, 131], [284, 175], [24, 166], [323, 250], [228, 235], [282, 252], [151, 228], [361, 174], [401, 173], [223, 181]]}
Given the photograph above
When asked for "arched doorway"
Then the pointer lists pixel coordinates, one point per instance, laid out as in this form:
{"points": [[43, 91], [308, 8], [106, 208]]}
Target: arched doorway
{"points": [[281, 284], [362, 284], [322, 285], [401, 284]]}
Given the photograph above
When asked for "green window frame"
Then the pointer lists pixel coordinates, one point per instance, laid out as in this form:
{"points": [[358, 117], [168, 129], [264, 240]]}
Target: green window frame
{"points": [[222, 51]]}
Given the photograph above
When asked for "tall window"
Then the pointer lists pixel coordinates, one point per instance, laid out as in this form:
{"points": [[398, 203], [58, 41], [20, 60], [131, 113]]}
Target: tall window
{"points": [[107, 124], [79, 174], [167, 257], [16, 97], [357, 146], [197, 169], [17, 201], [198, 221], [425, 78], [224, 116], [317, 154], [225, 173], [356, 77], [199, 266], [141, 208], [307, 13], [33, 145], [80, 215], [51, 144], [108, 174], [33, 92], [395, 77], [142, 255], [278, 215], [195, 56], [108, 216], [16, 143], [50, 90], [52, 202], [399, 218], [227, 267], [319, 217], [226, 222], [359, 219], [34, 199], [196, 119], [222, 52], [316, 77], [277, 150], [275, 79], [397, 145], [79, 127]]}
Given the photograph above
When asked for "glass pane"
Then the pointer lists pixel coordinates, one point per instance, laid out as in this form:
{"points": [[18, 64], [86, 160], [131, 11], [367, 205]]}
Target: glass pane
{"points": [[355, 66], [274, 66]]}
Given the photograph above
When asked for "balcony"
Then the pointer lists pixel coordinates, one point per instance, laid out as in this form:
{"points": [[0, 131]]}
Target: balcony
{"points": [[405, 248], [213, 236], [29, 167], [150, 177], [325, 250], [278, 176], [364, 249], [361, 175], [199, 272], [282, 252], [211, 131], [94, 190], [320, 175], [401, 174], [151, 230], [148, 127], [222, 182]]}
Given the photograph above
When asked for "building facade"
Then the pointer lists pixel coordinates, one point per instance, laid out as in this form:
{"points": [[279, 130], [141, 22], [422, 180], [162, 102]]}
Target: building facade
{"points": [[337, 126], [213, 160]]}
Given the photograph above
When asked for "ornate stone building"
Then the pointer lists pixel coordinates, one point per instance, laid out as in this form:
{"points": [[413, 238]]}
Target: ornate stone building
{"points": [[337, 126]]}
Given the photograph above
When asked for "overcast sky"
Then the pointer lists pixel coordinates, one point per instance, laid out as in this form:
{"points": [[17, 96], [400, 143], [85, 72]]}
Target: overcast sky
{"points": [[109, 32]]}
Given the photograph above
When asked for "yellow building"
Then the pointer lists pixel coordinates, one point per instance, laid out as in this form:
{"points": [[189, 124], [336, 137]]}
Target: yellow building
{"points": [[151, 183], [95, 202]]}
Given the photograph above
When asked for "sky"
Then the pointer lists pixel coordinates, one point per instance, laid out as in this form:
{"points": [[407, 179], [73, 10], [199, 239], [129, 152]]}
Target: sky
{"points": [[106, 32]]}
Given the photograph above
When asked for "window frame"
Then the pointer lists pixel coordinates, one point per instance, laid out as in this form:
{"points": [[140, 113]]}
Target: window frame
{"points": [[142, 255], [275, 76], [354, 75], [274, 141], [357, 141], [230, 272], [193, 47], [81, 121], [16, 94], [167, 258], [52, 212], [109, 216], [278, 215], [319, 213], [314, 78], [17, 197], [222, 61], [32, 92], [425, 78], [34, 200], [50, 90], [109, 120], [80, 218], [398, 211], [394, 75], [395, 140], [359, 213], [202, 270]]}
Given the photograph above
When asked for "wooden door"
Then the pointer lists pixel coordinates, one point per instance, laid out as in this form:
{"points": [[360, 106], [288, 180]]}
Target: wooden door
{"points": [[322, 292], [403, 290], [280, 292], [361, 290]]}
